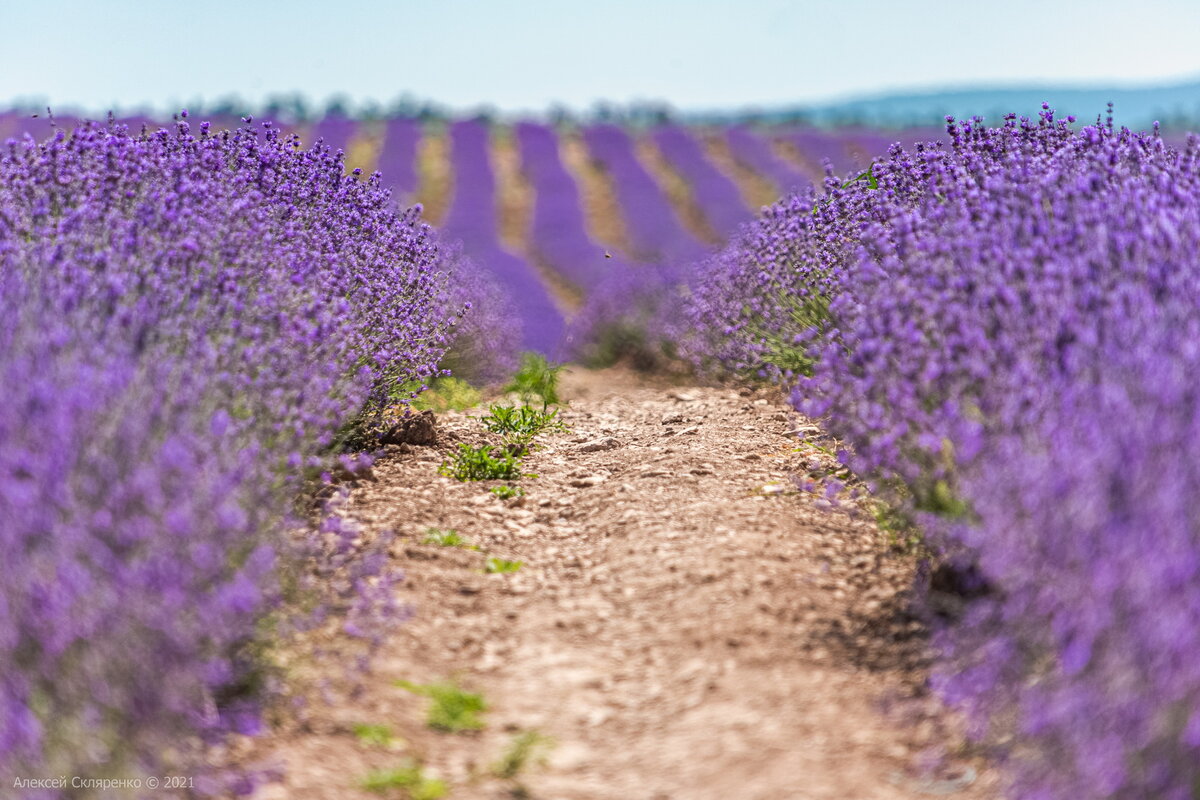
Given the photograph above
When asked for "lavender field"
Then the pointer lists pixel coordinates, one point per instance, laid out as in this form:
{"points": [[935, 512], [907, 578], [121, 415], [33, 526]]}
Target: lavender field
{"points": [[214, 329]]}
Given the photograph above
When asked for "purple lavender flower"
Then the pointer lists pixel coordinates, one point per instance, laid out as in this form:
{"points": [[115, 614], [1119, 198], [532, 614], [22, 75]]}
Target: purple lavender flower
{"points": [[657, 234], [472, 220], [714, 193], [1003, 329], [189, 318], [754, 151]]}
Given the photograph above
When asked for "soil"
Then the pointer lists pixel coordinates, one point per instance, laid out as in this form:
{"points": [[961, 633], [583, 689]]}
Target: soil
{"points": [[685, 624]]}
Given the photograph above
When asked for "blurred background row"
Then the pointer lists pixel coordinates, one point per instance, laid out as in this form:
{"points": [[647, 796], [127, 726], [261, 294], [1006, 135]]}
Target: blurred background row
{"points": [[556, 206]]}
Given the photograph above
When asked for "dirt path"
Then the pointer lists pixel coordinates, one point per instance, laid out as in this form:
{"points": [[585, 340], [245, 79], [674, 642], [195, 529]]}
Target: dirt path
{"points": [[679, 632]]}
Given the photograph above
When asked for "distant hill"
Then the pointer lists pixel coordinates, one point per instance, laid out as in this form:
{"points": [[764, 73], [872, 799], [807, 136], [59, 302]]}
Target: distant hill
{"points": [[1175, 106]]}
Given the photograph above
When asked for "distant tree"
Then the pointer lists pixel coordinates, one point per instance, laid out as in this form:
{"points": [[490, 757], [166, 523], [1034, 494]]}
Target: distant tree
{"points": [[404, 107], [338, 105], [293, 106], [559, 115]]}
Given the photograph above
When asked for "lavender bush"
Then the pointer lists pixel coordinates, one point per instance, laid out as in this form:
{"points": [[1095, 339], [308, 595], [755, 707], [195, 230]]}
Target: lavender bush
{"points": [[189, 319], [1003, 330]]}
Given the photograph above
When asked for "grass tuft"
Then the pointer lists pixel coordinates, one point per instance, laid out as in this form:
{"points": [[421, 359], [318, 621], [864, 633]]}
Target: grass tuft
{"points": [[410, 779], [526, 748], [451, 708], [448, 538], [482, 464], [519, 424], [501, 565], [377, 735], [446, 394], [536, 377]]}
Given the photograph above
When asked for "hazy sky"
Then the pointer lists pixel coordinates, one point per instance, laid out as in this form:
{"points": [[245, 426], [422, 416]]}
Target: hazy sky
{"points": [[527, 54]]}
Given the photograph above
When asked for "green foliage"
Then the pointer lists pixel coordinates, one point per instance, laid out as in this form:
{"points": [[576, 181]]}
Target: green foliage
{"points": [[410, 779], [868, 176], [902, 533], [782, 349], [507, 492], [939, 498], [443, 538], [630, 341], [501, 565], [447, 393], [528, 747], [481, 464], [519, 424], [378, 735], [536, 377], [450, 709]]}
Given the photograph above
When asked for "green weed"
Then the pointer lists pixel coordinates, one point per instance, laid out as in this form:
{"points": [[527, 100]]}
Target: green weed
{"points": [[939, 498], [868, 176], [443, 538], [377, 735], [501, 565], [481, 464], [410, 779], [445, 394], [450, 709], [507, 492], [780, 345], [529, 747], [519, 424], [536, 377]]}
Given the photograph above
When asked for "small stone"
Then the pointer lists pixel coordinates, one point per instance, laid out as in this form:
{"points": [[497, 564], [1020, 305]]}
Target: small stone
{"points": [[672, 417], [596, 445], [802, 431], [590, 480], [653, 472], [341, 474], [683, 397], [419, 429]]}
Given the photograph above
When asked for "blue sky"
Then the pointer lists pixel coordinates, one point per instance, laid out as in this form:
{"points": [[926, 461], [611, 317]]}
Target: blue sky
{"points": [[518, 55]]}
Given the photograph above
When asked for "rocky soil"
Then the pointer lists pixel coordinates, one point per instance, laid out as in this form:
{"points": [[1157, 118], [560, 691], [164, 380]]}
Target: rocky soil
{"points": [[686, 623]]}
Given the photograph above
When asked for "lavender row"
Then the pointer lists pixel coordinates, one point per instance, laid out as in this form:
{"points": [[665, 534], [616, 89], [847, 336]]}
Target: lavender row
{"points": [[335, 131], [1003, 331], [190, 319], [754, 151], [655, 231], [713, 192], [558, 232], [398, 158], [472, 220]]}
